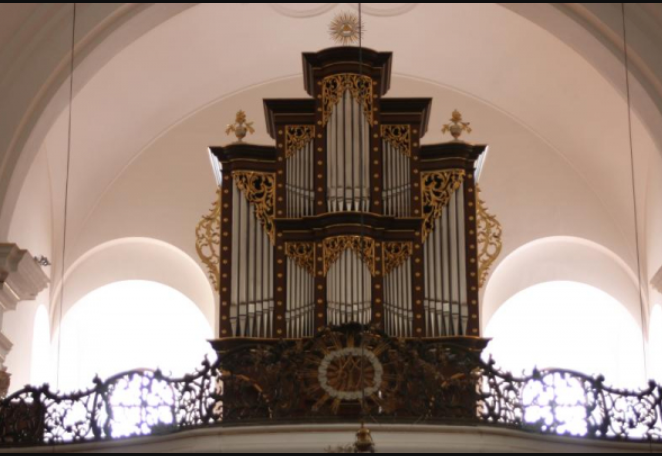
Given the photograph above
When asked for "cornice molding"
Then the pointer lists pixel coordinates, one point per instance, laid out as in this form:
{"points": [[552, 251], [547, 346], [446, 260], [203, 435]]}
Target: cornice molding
{"points": [[21, 277]]}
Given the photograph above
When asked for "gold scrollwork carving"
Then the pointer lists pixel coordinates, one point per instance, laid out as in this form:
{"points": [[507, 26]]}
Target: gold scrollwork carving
{"points": [[303, 253], [490, 243], [335, 86], [395, 255], [260, 190], [399, 137], [208, 241], [437, 188], [364, 247], [297, 137]]}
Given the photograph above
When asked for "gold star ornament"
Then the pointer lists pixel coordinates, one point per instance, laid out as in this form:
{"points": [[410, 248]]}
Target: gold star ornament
{"points": [[346, 29]]}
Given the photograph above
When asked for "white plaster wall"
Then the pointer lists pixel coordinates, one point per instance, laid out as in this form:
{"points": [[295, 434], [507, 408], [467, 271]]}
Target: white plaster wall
{"points": [[562, 259], [655, 341], [136, 259], [653, 261], [653, 211]]}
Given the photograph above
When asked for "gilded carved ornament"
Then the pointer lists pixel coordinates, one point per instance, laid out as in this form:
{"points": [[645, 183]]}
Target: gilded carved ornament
{"points": [[208, 240]]}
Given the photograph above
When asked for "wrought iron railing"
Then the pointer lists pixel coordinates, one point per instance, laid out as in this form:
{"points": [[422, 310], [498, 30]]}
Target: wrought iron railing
{"points": [[563, 402], [139, 403]]}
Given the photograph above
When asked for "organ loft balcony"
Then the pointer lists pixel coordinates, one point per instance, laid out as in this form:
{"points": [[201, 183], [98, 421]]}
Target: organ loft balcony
{"points": [[347, 236]]}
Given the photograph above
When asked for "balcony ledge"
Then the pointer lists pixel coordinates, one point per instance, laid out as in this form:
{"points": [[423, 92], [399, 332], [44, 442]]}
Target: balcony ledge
{"points": [[317, 438]]}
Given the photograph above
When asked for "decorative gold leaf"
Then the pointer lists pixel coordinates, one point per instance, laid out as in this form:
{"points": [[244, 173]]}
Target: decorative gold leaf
{"points": [[363, 246], [335, 86], [208, 240], [396, 254], [297, 137], [260, 190], [303, 253], [437, 189], [399, 137], [490, 243]]}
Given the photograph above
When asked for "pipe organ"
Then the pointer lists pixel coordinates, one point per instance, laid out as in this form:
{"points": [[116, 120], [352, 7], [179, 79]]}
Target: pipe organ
{"points": [[348, 218]]}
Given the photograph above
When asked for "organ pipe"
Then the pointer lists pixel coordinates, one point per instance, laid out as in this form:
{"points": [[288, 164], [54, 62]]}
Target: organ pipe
{"points": [[348, 218]]}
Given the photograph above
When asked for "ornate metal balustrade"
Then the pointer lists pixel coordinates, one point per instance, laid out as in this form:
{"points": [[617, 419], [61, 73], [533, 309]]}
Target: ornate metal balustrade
{"points": [[257, 382]]}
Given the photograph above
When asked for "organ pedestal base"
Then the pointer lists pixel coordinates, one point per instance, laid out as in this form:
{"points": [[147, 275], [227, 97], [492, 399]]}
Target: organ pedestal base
{"points": [[347, 372]]}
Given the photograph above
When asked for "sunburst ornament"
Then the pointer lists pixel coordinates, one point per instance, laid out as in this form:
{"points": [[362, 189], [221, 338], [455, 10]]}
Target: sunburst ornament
{"points": [[346, 28]]}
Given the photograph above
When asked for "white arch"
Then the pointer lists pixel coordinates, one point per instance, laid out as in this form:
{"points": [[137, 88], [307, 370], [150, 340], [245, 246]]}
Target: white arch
{"points": [[134, 259], [563, 259], [128, 325], [101, 45], [568, 325]]}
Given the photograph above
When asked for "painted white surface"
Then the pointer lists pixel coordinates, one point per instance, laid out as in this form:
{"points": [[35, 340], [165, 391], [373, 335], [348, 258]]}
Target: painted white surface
{"points": [[562, 259], [135, 259], [388, 438], [572, 326], [656, 339], [126, 326]]}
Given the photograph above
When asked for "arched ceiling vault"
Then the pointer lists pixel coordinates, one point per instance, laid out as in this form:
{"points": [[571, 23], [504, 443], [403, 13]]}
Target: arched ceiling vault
{"points": [[141, 70]]}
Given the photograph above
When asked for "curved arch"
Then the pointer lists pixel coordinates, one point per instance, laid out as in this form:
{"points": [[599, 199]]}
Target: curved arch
{"points": [[399, 78], [107, 30], [306, 12], [302, 13], [568, 325], [164, 132], [129, 325], [562, 259], [133, 259], [131, 23]]}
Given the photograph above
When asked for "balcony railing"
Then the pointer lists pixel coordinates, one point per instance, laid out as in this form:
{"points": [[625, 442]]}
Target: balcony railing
{"points": [[421, 381]]}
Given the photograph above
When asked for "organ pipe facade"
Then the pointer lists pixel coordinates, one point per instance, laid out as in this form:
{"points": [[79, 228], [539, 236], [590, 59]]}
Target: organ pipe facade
{"points": [[348, 218]]}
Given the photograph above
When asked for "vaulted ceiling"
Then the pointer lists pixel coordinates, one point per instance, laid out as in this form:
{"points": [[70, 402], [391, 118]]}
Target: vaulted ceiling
{"points": [[543, 84]]}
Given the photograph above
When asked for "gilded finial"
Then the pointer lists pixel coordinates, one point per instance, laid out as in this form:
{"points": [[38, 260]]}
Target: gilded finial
{"points": [[364, 442], [346, 28], [457, 126], [240, 127]]}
